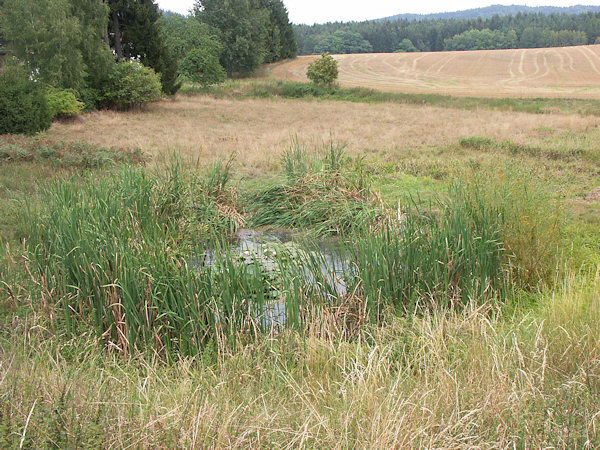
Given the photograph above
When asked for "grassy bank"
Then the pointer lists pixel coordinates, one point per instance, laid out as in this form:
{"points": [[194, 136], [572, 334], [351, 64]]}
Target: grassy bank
{"points": [[434, 380], [299, 90]]}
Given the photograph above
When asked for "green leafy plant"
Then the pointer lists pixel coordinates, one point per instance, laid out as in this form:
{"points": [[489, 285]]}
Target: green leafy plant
{"points": [[324, 70], [202, 67], [23, 105], [131, 85], [63, 103]]}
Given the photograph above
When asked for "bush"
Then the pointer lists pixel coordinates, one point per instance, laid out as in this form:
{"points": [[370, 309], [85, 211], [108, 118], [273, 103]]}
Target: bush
{"points": [[323, 71], [202, 67], [131, 85], [23, 104], [301, 90], [63, 103]]}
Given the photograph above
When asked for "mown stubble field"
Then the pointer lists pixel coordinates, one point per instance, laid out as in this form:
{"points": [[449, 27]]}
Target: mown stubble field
{"points": [[543, 72]]}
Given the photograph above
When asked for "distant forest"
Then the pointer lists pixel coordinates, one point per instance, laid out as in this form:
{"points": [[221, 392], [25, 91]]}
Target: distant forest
{"points": [[459, 31], [500, 10]]}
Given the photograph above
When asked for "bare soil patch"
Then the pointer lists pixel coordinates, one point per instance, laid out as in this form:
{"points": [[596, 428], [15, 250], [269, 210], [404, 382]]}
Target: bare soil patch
{"points": [[593, 196]]}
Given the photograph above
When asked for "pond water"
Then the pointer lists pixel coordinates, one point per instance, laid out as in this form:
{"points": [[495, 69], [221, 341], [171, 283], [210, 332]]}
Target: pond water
{"points": [[262, 245]]}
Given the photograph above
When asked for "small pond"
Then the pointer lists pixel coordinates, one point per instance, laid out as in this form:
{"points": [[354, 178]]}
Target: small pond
{"points": [[251, 246]]}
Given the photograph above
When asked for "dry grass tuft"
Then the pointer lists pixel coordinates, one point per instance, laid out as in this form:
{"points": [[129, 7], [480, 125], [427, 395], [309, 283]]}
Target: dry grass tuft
{"points": [[440, 380]]}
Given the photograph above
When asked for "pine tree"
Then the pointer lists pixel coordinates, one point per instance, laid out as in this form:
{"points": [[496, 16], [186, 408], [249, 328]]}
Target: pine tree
{"points": [[280, 40]]}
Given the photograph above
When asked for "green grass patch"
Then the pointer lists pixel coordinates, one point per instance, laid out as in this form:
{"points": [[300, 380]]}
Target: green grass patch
{"points": [[557, 153], [64, 154], [300, 90]]}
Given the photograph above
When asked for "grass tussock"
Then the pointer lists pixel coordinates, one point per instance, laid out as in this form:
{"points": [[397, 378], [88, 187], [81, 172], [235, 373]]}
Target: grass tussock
{"points": [[320, 192]]}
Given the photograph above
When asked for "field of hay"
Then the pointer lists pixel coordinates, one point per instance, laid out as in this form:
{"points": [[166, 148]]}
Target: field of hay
{"points": [[543, 72], [259, 130]]}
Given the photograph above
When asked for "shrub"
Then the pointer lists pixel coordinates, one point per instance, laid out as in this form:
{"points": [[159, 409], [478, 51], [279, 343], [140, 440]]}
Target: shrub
{"points": [[63, 103], [23, 104], [324, 70], [202, 67], [301, 90], [131, 85]]}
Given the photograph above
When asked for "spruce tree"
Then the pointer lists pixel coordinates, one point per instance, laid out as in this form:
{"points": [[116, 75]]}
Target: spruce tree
{"points": [[280, 40], [135, 34]]}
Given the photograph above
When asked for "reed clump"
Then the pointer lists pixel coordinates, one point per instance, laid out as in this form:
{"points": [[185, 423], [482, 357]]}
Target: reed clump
{"points": [[144, 258], [115, 253], [321, 192]]}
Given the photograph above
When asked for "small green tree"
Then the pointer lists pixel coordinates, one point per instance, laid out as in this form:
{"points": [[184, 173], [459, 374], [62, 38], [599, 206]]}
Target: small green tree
{"points": [[323, 71], [195, 47], [202, 67]]}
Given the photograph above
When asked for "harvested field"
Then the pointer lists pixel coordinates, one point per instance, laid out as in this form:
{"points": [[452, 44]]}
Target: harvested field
{"points": [[543, 72]]}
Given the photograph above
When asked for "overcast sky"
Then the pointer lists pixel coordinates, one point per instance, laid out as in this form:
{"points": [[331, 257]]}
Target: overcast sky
{"points": [[320, 11]]}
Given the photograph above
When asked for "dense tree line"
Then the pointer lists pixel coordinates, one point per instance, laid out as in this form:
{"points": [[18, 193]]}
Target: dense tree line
{"points": [[501, 10], [517, 31], [251, 32], [65, 54], [76, 44]]}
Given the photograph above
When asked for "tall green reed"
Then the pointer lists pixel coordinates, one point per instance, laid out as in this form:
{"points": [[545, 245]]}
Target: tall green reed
{"points": [[117, 252], [445, 254], [121, 253]]}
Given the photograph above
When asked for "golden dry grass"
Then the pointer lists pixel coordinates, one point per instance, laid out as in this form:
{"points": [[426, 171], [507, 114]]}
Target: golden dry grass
{"points": [[457, 380], [260, 129], [545, 72]]}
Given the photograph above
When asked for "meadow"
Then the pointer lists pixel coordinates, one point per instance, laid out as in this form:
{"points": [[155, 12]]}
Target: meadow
{"points": [[470, 240]]}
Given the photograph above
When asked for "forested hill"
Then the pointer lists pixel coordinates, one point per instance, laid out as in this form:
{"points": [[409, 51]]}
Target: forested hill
{"points": [[493, 10], [521, 30]]}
